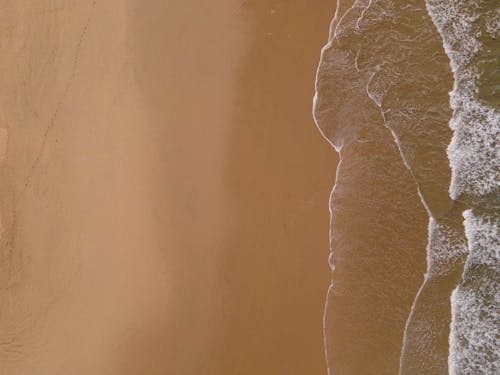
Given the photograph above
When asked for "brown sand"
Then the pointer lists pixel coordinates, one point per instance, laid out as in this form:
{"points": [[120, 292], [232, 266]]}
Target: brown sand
{"points": [[164, 190]]}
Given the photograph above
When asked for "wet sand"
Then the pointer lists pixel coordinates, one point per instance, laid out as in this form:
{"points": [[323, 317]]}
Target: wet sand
{"points": [[164, 189]]}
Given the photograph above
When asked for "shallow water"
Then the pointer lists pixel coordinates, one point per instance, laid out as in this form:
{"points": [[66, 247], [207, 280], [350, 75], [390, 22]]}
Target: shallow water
{"points": [[471, 36], [382, 101]]}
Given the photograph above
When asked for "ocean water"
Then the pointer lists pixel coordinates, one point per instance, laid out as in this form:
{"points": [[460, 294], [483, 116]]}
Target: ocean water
{"points": [[471, 34], [408, 93]]}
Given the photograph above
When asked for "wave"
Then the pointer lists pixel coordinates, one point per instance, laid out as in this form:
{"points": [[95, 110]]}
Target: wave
{"points": [[471, 37], [384, 78]]}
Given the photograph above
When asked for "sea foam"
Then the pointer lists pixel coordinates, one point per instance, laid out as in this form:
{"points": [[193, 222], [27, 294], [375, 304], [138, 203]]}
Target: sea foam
{"points": [[385, 64], [378, 227], [475, 338], [471, 37]]}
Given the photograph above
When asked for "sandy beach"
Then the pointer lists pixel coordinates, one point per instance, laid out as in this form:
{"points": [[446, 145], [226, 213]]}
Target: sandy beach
{"points": [[164, 190]]}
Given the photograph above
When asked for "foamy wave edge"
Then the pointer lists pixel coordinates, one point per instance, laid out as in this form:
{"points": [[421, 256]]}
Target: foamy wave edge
{"points": [[474, 155]]}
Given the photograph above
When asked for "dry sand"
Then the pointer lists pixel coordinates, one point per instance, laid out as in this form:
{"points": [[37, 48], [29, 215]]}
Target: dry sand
{"points": [[164, 189]]}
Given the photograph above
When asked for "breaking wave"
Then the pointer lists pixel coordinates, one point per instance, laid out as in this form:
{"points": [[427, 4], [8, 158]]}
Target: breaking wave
{"points": [[411, 164]]}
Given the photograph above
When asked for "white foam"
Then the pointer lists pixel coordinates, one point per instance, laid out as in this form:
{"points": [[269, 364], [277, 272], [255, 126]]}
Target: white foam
{"points": [[474, 151], [474, 154], [492, 24], [474, 338]]}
